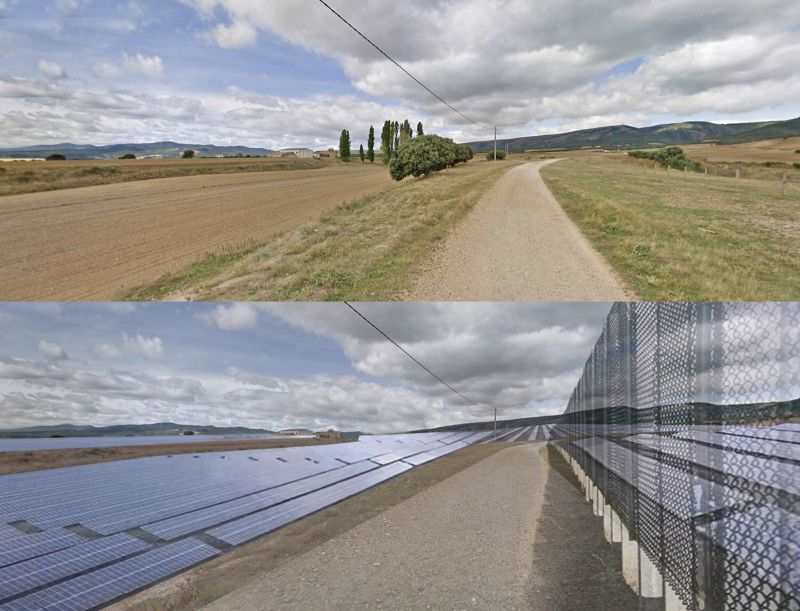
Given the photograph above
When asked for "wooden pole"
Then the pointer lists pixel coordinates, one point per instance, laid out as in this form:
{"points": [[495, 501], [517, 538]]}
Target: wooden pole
{"points": [[495, 143]]}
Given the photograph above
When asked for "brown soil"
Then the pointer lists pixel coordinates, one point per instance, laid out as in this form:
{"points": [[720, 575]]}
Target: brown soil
{"points": [[93, 243], [19, 462]]}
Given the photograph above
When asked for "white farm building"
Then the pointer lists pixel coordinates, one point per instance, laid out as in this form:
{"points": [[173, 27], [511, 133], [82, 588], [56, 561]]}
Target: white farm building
{"points": [[300, 153]]}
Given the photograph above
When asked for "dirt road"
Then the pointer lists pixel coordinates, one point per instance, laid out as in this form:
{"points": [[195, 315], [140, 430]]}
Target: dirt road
{"points": [[463, 543], [93, 242], [517, 244]]}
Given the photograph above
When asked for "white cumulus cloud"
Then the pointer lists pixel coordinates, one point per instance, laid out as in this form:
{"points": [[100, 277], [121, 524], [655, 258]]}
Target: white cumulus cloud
{"points": [[51, 69], [52, 351], [152, 66]]}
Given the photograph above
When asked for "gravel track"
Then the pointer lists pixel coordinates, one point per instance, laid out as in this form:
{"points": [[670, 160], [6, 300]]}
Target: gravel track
{"points": [[91, 243], [463, 543], [517, 244]]}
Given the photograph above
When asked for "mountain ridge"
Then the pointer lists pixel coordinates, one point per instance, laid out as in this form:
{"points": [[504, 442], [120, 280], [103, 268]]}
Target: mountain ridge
{"points": [[165, 149], [665, 134]]}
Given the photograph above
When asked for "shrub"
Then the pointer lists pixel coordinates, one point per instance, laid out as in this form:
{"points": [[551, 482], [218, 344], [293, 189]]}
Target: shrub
{"points": [[100, 171], [796, 165], [668, 157], [188, 154], [501, 155], [797, 151], [775, 164], [128, 156], [55, 157], [425, 154]]}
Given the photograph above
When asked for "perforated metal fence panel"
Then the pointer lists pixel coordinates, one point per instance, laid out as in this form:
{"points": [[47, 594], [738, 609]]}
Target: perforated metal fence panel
{"points": [[697, 407]]}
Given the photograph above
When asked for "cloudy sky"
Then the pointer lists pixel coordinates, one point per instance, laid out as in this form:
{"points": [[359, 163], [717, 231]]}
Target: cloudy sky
{"points": [[287, 72], [286, 365]]}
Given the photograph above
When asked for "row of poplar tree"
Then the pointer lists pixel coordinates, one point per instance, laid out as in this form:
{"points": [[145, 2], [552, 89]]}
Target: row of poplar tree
{"points": [[393, 135]]}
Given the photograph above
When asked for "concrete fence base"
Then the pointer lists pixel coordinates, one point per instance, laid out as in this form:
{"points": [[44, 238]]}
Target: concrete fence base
{"points": [[639, 572]]}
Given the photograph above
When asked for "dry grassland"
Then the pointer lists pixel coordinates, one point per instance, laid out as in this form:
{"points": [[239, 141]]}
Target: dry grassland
{"points": [[683, 236]]}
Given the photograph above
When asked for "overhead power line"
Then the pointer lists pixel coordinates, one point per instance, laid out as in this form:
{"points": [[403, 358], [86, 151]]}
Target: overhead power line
{"points": [[404, 351], [387, 56]]}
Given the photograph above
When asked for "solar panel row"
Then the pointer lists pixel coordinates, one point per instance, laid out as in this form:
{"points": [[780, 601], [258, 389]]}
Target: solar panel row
{"points": [[30, 574], [105, 585], [266, 521], [243, 494]]}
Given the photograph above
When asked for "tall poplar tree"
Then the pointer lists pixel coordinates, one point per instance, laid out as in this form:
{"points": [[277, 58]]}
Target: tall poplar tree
{"points": [[344, 146], [405, 132], [386, 141], [361, 152], [371, 145], [420, 132]]}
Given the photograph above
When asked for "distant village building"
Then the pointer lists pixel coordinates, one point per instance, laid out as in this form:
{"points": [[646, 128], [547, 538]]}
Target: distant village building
{"points": [[329, 434], [296, 433], [300, 153], [326, 154]]}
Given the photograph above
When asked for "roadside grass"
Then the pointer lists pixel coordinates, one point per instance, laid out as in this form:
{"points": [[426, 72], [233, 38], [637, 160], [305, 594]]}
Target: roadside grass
{"points": [[683, 236], [367, 249], [34, 176]]}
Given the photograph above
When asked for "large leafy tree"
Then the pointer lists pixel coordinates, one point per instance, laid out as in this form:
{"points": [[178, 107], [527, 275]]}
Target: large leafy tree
{"points": [[371, 145], [344, 146]]}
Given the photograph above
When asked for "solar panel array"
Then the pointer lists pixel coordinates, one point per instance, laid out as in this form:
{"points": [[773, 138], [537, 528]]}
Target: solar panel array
{"points": [[83, 537], [70, 443]]}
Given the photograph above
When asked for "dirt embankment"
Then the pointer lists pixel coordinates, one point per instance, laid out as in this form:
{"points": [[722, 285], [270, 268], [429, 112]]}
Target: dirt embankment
{"points": [[93, 243]]}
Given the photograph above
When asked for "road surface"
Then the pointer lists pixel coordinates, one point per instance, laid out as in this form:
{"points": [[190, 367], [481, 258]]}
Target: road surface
{"points": [[517, 244]]}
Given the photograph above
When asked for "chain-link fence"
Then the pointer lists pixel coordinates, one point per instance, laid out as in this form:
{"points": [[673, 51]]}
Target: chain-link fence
{"points": [[687, 419]]}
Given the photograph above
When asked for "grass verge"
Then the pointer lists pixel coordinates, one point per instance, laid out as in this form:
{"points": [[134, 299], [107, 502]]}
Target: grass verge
{"points": [[252, 561], [366, 249], [682, 236]]}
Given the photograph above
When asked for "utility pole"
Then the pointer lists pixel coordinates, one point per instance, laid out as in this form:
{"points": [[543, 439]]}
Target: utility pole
{"points": [[495, 424], [495, 143]]}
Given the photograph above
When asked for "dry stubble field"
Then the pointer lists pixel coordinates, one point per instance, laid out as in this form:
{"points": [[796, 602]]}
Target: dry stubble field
{"points": [[94, 242]]}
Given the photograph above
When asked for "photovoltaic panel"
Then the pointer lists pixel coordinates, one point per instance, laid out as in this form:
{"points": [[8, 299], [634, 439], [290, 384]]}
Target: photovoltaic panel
{"points": [[705, 496], [105, 585], [268, 520], [22, 547], [762, 433], [424, 457], [777, 474], [30, 574], [69, 443], [202, 519], [767, 447], [521, 435]]}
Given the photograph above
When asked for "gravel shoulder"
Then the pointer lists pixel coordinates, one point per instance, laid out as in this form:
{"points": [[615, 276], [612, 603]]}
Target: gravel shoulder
{"points": [[518, 244], [462, 543]]}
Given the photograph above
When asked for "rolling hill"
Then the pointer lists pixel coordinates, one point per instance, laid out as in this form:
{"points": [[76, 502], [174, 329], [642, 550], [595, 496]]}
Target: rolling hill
{"points": [[168, 150], [626, 137]]}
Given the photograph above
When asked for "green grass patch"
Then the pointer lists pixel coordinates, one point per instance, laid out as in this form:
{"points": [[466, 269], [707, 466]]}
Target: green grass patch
{"points": [[676, 236], [367, 249]]}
